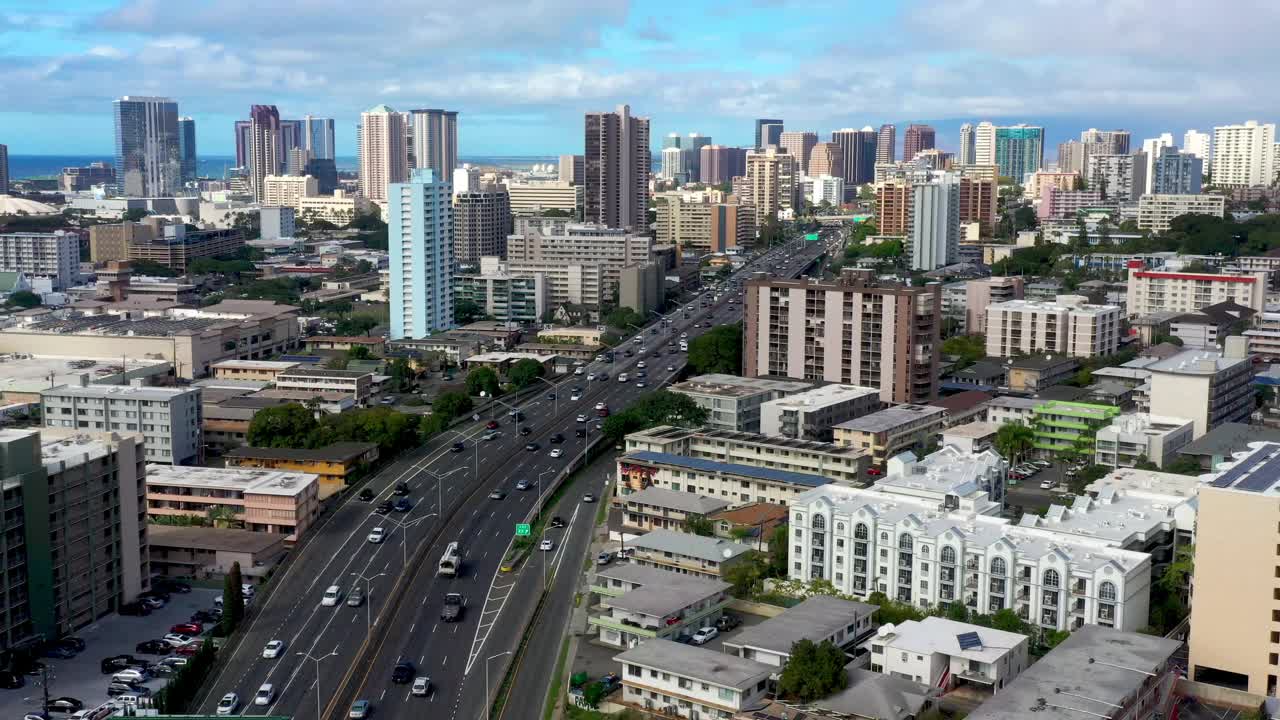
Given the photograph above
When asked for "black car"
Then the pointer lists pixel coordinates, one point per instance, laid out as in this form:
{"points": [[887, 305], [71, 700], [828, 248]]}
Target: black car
{"points": [[557, 438], [551, 396], [526, 430], [11, 680], [169, 585], [531, 447], [58, 652], [153, 647], [401, 489], [66, 705], [557, 522], [119, 688], [383, 508], [403, 505], [519, 416], [366, 495], [728, 621], [457, 447], [116, 663], [153, 593], [580, 432], [402, 674], [206, 616], [134, 608]]}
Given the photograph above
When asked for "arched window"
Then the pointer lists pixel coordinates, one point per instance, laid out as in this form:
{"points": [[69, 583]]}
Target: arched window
{"points": [[924, 550], [884, 537], [840, 527], [905, 543], [819, 522], [948, 555], [1107, 591], [998, 566], [860, 532], [1051, 578]]}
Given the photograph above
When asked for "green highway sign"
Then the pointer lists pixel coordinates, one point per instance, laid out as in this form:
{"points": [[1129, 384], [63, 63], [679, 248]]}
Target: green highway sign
{"points": [[811, 237], [522, 529]]}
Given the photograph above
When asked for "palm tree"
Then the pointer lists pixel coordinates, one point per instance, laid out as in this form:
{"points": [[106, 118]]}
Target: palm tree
{"points": [[1013, 441]]}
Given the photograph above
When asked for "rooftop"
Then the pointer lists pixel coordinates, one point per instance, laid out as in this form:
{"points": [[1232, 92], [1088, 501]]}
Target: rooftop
{"points": [[668, 596], [696, 662], [823, 396], [1063, 303], [1256, 470], [738, 387], [982, 370], [1041, 362], [973, 430], [337, 452], [1152, 482], [21, 372], [209, 538], [1146, 424], [1230, 438], [713, 466], [868, 695], [816, 618], [315, 372], [962, 401], [61, 449], [890, 418], [942, 635], [504, 357], [252, 365], [753, 514], [162, 394], [257, 482], [672, 432], [1195, 362], [949, 471], [1087, 675], [1013, 402], [675, 500], [695, 546]]}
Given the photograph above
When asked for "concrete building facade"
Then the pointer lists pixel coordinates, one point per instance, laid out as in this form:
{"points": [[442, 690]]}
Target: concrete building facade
{"points": [[617, 168], [168, 419], [420, 228], [1068, 325]]}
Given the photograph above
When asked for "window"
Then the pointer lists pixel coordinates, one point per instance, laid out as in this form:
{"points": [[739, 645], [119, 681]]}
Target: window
{"points": [[1107, 591], [905, 543], [998, 566], [948, 555], [860, 532], [727, 694], [819, 522], [1051, 578]]}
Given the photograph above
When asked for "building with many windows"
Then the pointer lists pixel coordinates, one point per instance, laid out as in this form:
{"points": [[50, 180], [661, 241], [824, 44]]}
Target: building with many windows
{"points": [[1141, 435], [1068, 325], [53, 257], [1019, 150], [810, 415], [420, 228], [1209, 387], [148, 159], [940, 652], [481, 224], [1153, 291], [616, 182], [581, 244], [890, 431], [639, 604], [271, 501], [733, 402], [1156, 212], [536, 196], [686, 554], [168, 419], [1069, 427], [1244, 155], [502, 295], [733, 481], [689, 681], [983, 292]]}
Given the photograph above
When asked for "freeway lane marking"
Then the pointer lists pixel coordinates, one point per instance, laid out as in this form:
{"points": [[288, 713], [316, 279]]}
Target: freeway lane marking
{"points": [[445, 661]]}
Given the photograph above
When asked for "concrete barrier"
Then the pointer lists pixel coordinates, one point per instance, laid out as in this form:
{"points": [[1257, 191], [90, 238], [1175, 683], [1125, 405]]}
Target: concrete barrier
{"points": [[755, 608], [1217, 695]]}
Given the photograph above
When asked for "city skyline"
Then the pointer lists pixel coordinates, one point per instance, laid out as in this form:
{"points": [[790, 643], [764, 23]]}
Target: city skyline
{"points": [[561, 61]]}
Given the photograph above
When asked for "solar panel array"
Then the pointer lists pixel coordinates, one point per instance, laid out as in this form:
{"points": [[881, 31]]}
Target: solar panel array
{"points": [[1250, 463], [969, 640], [1264, 476]]}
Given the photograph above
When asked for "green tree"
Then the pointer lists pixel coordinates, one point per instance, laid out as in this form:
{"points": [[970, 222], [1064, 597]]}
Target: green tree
{"points": [[482, 379], [25, 299], [1176, 575], [467, 311], [745, 576], [970, 348], [814, 671], [283, 426], [717, 351], [699, 525], [1184, 465], [355, 324], [779, 550], [524, 372], [1013, 441], [557, 213], [391, 430], [232, 600], [359, 352], [623, 318], [653, 409], [771, 232], [450, 405], [1143, 463], [402, 375]]}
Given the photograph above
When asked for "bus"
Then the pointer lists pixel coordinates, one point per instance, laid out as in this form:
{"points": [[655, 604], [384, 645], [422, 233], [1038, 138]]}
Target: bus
{"points": [[451, 561]]}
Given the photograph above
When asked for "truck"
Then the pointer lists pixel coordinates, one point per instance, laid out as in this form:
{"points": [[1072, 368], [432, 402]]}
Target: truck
{"points": [[452, 609]]}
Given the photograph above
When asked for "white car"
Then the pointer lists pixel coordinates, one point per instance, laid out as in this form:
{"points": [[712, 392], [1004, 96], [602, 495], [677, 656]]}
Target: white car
{"points": [[600, 406], [1046, 484], [265, 695], [576, 396], [684, 335], [421, 686], [704, 635], [177, 639], [377, 535], [130, 675], [578, 371], [591, 376], [228, 704], [546, 545], [332, 596], [640, 365], [582, 418], [556, 452], [273, 649]]}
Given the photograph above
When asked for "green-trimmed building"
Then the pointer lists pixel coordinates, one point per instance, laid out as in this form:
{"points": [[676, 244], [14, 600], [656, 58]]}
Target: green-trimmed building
{"points": [[1069, 427]]}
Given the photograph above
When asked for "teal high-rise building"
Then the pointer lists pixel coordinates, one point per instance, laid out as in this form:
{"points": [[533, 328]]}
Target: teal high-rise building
{"points": [[1019, 151], [420, 245], [187, 148]]}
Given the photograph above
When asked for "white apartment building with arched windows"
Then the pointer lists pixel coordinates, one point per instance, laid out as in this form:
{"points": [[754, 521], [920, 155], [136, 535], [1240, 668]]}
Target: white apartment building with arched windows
{"points": [[917, 551]]}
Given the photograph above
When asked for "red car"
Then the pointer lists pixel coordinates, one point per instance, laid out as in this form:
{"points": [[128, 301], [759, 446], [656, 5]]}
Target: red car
{"points": [[188, 650], [491, 425], [874, 471], [187, 628]]}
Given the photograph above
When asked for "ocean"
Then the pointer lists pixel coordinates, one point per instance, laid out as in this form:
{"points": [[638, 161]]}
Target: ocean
{"points": [[36, 166]]}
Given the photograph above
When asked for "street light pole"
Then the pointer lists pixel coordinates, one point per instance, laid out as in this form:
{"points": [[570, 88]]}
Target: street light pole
{"points": [[541, 495], [319, 712], [554, 392], [440, 484], [487, 706], [368, 599]]}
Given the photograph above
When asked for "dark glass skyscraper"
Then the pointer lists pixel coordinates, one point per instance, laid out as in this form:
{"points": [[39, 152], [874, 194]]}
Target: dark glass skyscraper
{"points": [[318, 133], [187, 148], [148, 159], [768, 132]]}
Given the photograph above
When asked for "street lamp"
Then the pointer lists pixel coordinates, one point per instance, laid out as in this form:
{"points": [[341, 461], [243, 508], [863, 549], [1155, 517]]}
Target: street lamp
{"points": [[465, 437], [368, 596], [404, 533], [538, 516], [554, 393], [309, 656], [486, 706], [440, 483]]}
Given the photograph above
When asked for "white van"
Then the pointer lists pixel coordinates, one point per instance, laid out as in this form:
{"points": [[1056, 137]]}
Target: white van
{"points": [[265, 695], [332, 596]]}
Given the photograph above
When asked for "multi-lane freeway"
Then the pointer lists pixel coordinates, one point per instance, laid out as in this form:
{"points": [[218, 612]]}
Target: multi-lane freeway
{"points": [[335, 654]]}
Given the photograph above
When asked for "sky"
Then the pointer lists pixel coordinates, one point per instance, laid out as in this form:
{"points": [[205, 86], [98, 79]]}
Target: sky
{"points": [[522, 72]]}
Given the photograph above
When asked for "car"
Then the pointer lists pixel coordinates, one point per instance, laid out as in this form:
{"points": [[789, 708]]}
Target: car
{"points": [[547, 545], [65, 705], [265, 695], [603, 376], [206, 616], [153, 647], [491, 435], [604, 558], [377, 535], [173, 661], [187, 628], [551, 396], [402, 673], [873, 472], [557, 439], [578, 371], [1046, 484], [728, 621], [581, 418], [187, 650], [359, 710], [421, 686], [580, 432], [120, 688], [532, 447], [58, 652], [401, 489], [134, 608], [640, 365], [356, 598], [491, 425], [273, 649], [556, 452], [454, 605], [557, 522], [402, 505], [228, 704], [523, 485], [588, 498], [366, 495], [247, 591], [116, 663], [622, 377], [684, 336], [640, 383], [525, 430], [177, 639], [575, 397], [684, 638], [591, 376], [497, 495], [383, 508], [457, 447], [151, 603], [671, 368], [332, 596], [130, 675], [1041, 463]]}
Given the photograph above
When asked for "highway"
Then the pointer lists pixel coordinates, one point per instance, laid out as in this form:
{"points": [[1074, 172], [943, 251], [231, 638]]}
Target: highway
{"points": [[323, 644]]}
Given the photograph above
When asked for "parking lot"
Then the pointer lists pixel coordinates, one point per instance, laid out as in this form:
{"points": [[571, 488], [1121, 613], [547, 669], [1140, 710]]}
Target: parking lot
{"points": [[1028, 494], [81, 677]]}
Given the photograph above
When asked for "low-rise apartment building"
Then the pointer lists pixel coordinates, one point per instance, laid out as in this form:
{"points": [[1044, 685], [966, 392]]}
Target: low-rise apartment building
{"points": [[169, 419], [1156, 212], [1141, 435], [732, 402], [638, 604], [1035, 373], [357, 384], [190, 551], [226, 422], [945, 653], [810, 414], [503, 296], [51, 257], [686, 554], [982, 293], [1208, 386], [1011, 409], [261, 370], [339, 208], [269, 501], [656, 508], [1070, 427], [690, 682], [335, 465], [1069, 325], [175, 246], [890, 431], [733, 482], [818, 618], [1154, 291]]}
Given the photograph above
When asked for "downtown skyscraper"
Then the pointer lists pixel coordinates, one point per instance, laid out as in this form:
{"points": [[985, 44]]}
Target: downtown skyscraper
{"points": [[266, 148], [617, 168], [858, 155], [768, 132], [318, 137], [4, 170], [187, 148], [917, 138], [148, 159], [886, 144], [384, 159], [434, 136]]}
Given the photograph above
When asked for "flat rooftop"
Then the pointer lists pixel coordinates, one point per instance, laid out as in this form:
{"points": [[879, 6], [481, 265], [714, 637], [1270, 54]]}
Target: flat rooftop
{"points": [[315, 372], [20, 372], [816, 618], [685, 502], [245, 480], [337, 452], [673, 432], [253, 365], [66, 448], [973, 430], [1115, 515], [1195, 362], [733, 386], [724, 468], [1081, 677], [695, 546], [134, 392], [823, 396], [941, 635], [208, 538], [949, 471], [1230, 438], [890, 418], [1012, 402], [1254, 471], [660, 599], [1054, 306], [696, 662], [1152, 482]]}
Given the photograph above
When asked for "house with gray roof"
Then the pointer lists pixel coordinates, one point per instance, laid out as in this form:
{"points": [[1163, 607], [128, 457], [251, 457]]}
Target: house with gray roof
{"points": [[688, 681], [817, 618], [639, 603], [686, 554], [657, 508]]}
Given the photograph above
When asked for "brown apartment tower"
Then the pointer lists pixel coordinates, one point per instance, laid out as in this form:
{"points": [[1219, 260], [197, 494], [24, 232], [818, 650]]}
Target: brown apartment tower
{"points": [[917, 138], [616, 176], [848, 331]]}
